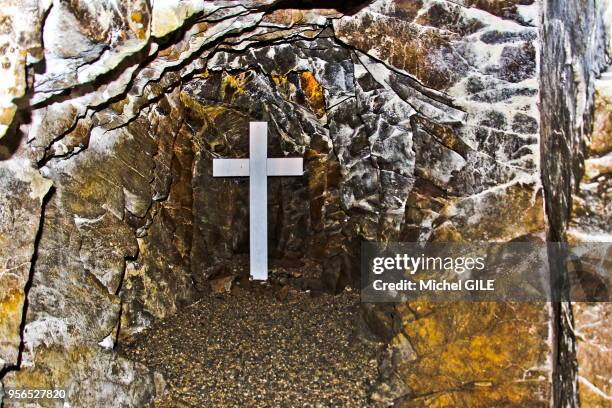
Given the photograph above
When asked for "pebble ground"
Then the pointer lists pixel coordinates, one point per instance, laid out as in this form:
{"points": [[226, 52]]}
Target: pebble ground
{"points": [[248, 348]]}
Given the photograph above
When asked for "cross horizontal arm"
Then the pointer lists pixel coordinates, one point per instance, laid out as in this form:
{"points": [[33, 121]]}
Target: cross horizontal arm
{"points": [[230, 167], [291, 166]]}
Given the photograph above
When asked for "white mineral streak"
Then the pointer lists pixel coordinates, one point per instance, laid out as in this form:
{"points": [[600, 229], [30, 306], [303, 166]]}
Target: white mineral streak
{"points": [[108, 343], [492, 21], [47, 331], [522, 180], [81, 221], [580, 235], [594, 388], [530, 14], [483, 56], [597, 166], [168, 15]]}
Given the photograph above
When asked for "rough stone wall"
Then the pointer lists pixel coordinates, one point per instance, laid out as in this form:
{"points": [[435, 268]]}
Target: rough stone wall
{"points": [[113, 230], [418, 121], [590, 222], [574, 53]]}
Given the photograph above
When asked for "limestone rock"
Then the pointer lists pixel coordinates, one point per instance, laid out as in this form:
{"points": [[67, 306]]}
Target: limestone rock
{"points": [[88, 375], [21, 43], [20, 211]]}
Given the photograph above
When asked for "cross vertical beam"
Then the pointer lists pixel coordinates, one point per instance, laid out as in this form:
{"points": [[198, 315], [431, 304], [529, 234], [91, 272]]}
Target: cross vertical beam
{"points": [[258, 199]]}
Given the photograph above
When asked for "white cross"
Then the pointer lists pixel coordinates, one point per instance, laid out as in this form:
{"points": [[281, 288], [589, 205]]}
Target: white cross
{"points": [[257, 168]]}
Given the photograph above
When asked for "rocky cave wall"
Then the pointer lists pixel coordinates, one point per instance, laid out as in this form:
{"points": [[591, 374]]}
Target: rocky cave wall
{"points": [[575, 151], [418, 121]]}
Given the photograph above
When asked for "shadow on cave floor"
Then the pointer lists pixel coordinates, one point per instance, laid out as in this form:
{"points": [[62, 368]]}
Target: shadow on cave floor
{"points": [[252, 344]]}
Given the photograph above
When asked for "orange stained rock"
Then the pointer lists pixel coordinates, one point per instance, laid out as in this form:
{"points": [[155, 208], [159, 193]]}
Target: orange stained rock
{"points": [[601, 139], [477, 354], [313, 92], [11, 306]]}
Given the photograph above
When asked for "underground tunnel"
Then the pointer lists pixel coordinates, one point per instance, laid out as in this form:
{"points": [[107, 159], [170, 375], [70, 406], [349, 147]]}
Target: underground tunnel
{"points": [[125, 262]]}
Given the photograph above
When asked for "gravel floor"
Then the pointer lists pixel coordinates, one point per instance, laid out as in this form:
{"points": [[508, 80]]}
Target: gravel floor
{"points": [[248, 348]]}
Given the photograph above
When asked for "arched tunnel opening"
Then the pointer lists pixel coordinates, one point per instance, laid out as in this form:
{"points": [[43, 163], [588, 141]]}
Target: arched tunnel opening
{"points": [[125, 262]]}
